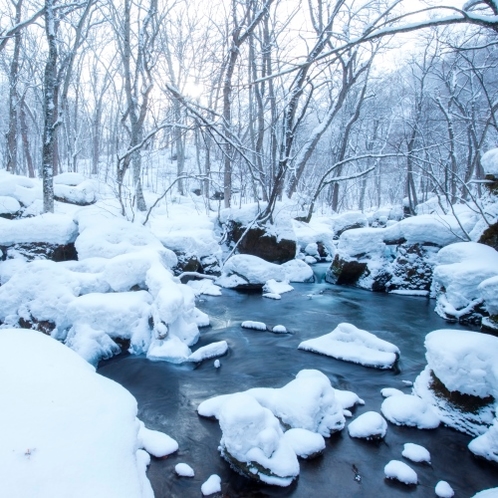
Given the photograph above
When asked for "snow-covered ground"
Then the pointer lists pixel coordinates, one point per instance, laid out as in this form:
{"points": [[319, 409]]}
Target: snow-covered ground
{"points": [[65, 430]]}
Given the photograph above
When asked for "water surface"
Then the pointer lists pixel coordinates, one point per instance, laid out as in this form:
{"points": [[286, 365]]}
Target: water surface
{"points": [[168, 395]]}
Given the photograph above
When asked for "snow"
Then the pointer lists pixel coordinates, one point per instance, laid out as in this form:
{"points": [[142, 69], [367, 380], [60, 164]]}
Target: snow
{"points": [[217, 364], [245, 269], [250, 324], [459, 271], [69, 178], [279, 329], [486, 445], [184, 470], [204, 286], [48, 228], [156, 443], [305, 443], [387, 392], [274, 287], [82, 194], [489, 162], [98, 440], [9, 205], [444, 490], [319, 229], [487, 493], [409, 410], [210, 351], [488, 291], [416, 453], [211, 486], [464, 361], [398, 470], [368, 425], [252, 435], [347, 342]]}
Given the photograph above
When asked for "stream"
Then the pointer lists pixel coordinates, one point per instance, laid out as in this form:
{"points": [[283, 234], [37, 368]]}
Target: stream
{"points": [[168, 394]]}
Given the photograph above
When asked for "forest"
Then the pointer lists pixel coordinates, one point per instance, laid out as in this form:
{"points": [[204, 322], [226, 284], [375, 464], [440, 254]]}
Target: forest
{"points": [[337, 105]]}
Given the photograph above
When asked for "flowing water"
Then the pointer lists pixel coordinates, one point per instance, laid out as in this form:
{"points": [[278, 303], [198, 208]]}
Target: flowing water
{"points": [[168, 395]]}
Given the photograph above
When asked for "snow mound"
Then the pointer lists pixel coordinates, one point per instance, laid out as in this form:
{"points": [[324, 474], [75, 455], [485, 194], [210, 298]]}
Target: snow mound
{"points": [[274, 287], [401, 472], [279, 329], [250, 324], [204, 286], [156, 443], [347, 342], [486, 445], [459, 271], [9, 205], [487, 493], [82, 194], [409, 410], [184, 470], [416, 453], [248, 270], [464, 361], [210, 351], [212, 485], [444, 490], [387, 392], [306, 444], [489, 162], [253, 441], [48, 228], [83, 419], [368, 425]]}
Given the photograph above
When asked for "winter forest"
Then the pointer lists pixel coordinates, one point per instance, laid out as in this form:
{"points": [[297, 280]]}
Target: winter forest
{"points": [[249, 100], [248, 248]]}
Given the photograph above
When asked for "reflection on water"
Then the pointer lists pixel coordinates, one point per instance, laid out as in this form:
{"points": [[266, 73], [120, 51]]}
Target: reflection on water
{"points": [[168, 395]]}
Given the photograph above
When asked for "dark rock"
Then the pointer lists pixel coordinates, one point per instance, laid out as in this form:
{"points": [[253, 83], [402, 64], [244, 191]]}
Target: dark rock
{"points": [[344, 272], [44, 326], [258, 242], [42, 250], [490, 236]]}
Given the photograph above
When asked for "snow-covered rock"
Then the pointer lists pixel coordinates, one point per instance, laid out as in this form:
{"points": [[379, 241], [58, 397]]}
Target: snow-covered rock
{"points": [[347, 342], [444, 490], [209, 351], [9, 206], [416, 453], [253, 443], [82, 194], [184, 470], [401, 472], [409, 410], [368, 425], [211, 485], [459, 271], [489, 162], [486, 445], [306, 444]]}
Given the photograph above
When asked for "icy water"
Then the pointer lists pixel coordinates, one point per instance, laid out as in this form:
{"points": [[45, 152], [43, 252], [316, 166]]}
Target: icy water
{"points": [[168, 395]]}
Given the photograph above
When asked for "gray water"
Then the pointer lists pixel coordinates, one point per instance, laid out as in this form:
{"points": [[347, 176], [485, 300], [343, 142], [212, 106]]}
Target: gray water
{"points": [[168, 395]]}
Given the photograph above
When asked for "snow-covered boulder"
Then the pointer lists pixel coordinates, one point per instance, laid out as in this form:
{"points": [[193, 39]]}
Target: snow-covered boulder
{"points": [[401, 472], [82, 194], [348, 221], [253, 442], [9, 207], [85, 424], [48, 236], [416, 453], [246, 271], [25, 190], [253, 423], [369, 425], [411, 411], [398, 257], [488, 290], [461, 378], [349, 343], [190, 236], [489, 162], [486, 445], [274, 242], [317, 236], [460, 269]]}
